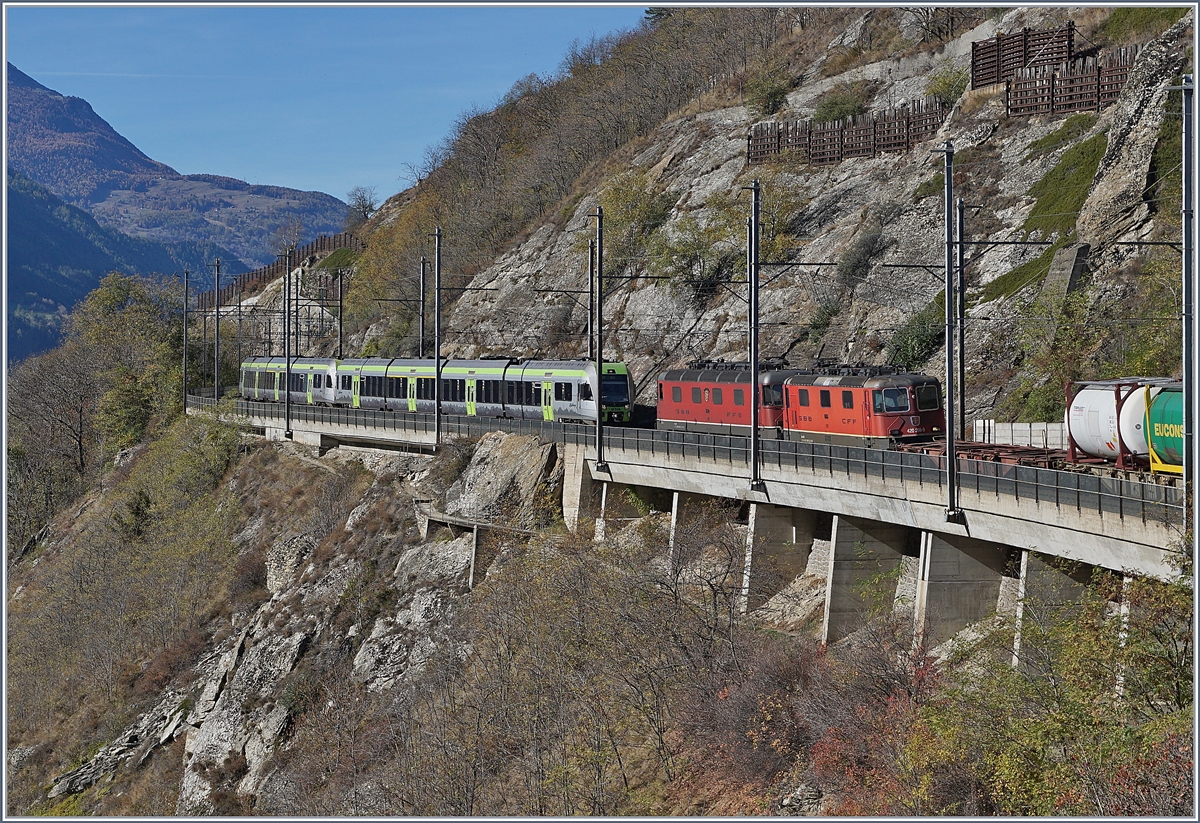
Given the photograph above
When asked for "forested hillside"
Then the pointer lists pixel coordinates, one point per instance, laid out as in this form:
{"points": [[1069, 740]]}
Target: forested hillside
{"points": [[57, 254], [205, 622]]}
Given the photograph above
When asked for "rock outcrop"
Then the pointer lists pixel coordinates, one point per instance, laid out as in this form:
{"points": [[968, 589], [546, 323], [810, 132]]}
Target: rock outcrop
{"points": [[1116, 207]]}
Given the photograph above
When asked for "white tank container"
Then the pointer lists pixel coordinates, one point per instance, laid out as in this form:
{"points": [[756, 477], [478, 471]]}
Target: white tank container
{"points": [[1091, 419]]}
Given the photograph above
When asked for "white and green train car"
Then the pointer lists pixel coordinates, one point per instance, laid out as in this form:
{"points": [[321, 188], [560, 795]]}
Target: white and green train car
{"points": [[312, 380], [563, 390]]}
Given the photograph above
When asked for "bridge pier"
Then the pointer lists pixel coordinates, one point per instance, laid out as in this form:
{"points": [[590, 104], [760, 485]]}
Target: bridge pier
{"points": [[614, 505], [578, 486], [959, 583], [860, 552], [1045, 586], [783, 538], [683, 505]]}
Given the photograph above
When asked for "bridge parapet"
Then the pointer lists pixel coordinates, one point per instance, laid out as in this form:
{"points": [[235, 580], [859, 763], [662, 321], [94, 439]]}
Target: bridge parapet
{"points": [[1102, 521]]}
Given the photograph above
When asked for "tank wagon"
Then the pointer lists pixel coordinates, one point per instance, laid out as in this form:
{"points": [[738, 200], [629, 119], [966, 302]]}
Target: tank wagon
{"points": [[1135, 422], [563, 390]]}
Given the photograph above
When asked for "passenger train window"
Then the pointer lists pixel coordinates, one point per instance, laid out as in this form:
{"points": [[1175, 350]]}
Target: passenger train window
{"points": [[889, 401], [345, 382], [847, 399], [928, 397], [677, 394], [739, 397], [825, 401], [718, 397], [695, 394], [804, 397]]}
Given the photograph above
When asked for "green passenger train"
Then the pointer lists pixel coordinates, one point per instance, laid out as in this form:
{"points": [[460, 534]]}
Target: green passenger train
{"points": [[562, 390]]}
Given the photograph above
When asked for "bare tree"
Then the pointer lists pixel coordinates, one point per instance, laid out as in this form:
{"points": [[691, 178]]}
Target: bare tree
{"points": [[288, 235], [362, 201]]}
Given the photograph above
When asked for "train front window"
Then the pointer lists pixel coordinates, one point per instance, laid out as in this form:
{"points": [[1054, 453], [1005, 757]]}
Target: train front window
{"points": [[614, 389], [772, 395], [889, 401], [928, 397]]}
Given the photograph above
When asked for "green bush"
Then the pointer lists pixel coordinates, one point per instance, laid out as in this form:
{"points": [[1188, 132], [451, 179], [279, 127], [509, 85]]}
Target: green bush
{"points": [[765, 95], [1134, 23], [934, 185], [1063, 191], [948, 83], [1020, 277], [839, 103], [918, 339], [633, 211], [342, 258]]}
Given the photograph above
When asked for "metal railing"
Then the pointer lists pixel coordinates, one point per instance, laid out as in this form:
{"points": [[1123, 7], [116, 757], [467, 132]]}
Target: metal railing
{"points": [[1148, 502]]}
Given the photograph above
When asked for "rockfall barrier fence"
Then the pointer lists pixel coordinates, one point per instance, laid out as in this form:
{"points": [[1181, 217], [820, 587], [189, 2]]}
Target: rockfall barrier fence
{"points": [[1001, 57], [867, 135], [1078, 85], [259, 277]]}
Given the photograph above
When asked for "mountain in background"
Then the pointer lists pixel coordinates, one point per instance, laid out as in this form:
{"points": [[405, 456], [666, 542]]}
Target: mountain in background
{"points": [[57, 253], [61, 143]]}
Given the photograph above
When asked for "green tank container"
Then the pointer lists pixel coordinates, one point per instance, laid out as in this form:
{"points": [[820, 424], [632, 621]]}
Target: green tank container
{"points": [[1165, 429]]}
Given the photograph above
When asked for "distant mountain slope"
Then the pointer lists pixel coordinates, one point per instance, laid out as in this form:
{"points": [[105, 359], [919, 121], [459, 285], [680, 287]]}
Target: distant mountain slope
{"points": [[57, 253], [62, 143]]}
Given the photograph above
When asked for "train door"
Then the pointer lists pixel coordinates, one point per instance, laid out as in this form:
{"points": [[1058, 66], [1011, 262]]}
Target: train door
{"points": [[470, 397], [412, 393], [548, 400], [280, 379], [354, 392], [312, 376]]}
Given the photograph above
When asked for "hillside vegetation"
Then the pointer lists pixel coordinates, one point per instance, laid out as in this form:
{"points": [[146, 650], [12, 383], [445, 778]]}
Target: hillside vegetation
{"points": [[651, 126], [204, 622], [57, 254]]}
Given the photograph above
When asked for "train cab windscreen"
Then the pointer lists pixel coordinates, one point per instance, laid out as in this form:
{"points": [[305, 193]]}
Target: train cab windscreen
{"points": [[890, 401], [772, 395], [928, 397], [615, 389]]}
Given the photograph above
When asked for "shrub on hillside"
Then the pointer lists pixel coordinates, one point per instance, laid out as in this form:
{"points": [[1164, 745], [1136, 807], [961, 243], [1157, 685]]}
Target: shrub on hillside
{"points": [[948, 83]]}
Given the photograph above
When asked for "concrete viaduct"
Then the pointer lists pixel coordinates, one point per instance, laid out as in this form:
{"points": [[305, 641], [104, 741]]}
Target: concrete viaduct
{"points": [[1025, 531]]}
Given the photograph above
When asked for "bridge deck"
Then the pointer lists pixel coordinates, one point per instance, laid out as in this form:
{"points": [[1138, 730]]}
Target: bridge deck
{"points": [[1105, 521]]}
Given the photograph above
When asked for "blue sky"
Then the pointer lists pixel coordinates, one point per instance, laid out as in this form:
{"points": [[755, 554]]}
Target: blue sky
{"points": [[313, 98]]}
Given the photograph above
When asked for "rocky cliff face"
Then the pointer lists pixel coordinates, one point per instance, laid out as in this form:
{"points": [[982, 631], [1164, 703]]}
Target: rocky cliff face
{"points": [[364, 592], [874, 210]]}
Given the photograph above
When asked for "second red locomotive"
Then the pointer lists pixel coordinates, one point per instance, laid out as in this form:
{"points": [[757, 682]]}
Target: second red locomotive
{"points": [[870, 406]]}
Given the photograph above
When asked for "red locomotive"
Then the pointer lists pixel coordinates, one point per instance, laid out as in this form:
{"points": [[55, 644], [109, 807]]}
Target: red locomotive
{"points": [[872, 406], [713, 396]]}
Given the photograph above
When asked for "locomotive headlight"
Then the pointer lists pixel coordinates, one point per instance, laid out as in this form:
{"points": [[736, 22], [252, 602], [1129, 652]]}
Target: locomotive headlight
{"points": [[894, 432]]}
